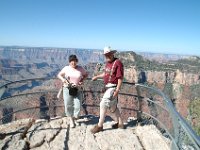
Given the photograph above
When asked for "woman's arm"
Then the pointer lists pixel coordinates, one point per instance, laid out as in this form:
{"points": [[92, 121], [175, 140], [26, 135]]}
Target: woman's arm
{"points": [[61, 75], [84, 77]]}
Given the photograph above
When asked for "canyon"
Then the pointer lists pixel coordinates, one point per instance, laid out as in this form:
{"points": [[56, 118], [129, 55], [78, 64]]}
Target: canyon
{"points": [[177, 76]]}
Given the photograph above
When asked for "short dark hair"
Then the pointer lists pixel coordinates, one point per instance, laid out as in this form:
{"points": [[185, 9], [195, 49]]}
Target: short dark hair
{"points": [[73, 58]]}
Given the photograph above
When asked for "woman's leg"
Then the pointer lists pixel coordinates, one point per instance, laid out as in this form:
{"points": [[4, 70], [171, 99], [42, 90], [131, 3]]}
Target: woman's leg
{"points": [[68, 103], [77, 105], [69, 106]]}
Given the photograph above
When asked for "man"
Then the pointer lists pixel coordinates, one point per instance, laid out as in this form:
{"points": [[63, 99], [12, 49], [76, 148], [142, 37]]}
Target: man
{"points": [[113, 77]]}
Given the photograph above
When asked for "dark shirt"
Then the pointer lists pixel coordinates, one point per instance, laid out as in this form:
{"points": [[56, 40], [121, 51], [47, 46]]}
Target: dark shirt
{"points": [[118, 71]]}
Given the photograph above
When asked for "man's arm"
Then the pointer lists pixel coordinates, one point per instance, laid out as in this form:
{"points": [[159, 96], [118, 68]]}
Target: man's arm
{"points": [[119, 83], [120, 76], [98, 76]]}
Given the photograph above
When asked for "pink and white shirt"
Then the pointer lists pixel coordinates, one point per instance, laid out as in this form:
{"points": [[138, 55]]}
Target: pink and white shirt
{"points": [[74, 75]]}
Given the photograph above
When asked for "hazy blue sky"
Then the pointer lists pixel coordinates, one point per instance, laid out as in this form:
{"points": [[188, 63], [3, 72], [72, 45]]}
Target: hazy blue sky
{"points": [[168, 26]]}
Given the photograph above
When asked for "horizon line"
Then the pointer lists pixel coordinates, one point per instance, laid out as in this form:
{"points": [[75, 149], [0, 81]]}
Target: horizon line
{"points": [[136, 51]]}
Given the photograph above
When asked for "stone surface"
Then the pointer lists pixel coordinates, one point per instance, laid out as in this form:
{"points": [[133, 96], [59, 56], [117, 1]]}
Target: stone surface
{"points": [[15, 133], [16, 126], [151, 138], [18, 145], [57, 135]]}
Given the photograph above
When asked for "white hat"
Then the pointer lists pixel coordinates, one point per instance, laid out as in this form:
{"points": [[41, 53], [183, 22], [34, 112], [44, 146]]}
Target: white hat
{"points": [[108, 50]]}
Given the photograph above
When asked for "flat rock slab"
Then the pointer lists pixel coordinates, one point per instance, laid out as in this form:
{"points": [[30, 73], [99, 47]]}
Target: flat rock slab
{"points": [[14, 133], [119, 139], [57, 135], [151, 138], [16, 126]]}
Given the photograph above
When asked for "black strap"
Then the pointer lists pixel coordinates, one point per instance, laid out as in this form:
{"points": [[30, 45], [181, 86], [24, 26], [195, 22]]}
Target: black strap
{"points": [[114, 86], [111, 72]]}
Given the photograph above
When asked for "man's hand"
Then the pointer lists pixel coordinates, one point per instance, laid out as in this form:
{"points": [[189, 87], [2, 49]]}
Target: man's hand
{"points": [[115, 94], [94, 78]]}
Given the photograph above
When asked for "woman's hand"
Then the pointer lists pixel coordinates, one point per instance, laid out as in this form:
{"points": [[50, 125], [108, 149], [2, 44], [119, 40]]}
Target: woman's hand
{"points": [[80, 83], [65, 82]]}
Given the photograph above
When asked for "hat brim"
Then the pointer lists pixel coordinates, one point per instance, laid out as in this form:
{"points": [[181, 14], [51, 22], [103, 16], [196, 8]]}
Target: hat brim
{"points": [[113, 51]]}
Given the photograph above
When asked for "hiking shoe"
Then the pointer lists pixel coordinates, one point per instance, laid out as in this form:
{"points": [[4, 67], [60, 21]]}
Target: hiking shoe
{"points": [[2, 136], [117, 125], [96, 129], [121, 126]]}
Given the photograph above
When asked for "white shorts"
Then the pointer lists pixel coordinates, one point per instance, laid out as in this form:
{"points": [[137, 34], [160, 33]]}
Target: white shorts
{"points": [[108, 101]]}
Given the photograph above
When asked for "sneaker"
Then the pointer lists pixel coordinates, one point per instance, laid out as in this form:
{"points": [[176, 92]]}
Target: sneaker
{"points": [[2, 136], [77, 123], [117, 125], [96, 129], [72, 124]]}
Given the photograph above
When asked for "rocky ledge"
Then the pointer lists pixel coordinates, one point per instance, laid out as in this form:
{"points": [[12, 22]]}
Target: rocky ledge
{"points": [[57, 135]]}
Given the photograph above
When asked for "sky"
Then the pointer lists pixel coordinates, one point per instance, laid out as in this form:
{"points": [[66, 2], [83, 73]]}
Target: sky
{"points": [[161, 26]]}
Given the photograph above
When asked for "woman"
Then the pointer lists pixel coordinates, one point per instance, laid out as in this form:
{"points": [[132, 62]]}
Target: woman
{"points": [[75, 75]]}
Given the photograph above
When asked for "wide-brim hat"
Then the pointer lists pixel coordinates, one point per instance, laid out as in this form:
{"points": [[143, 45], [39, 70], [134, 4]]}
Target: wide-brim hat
{"points": [[108, 49]]}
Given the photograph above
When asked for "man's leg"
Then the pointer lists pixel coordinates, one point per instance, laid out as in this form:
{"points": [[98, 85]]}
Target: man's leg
{"points": [[116, 116], [99, 127], [103, 111], [102, 115]]}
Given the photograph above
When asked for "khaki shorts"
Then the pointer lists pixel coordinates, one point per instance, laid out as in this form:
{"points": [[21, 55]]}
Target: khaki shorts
{"points": [[108, 101]]}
